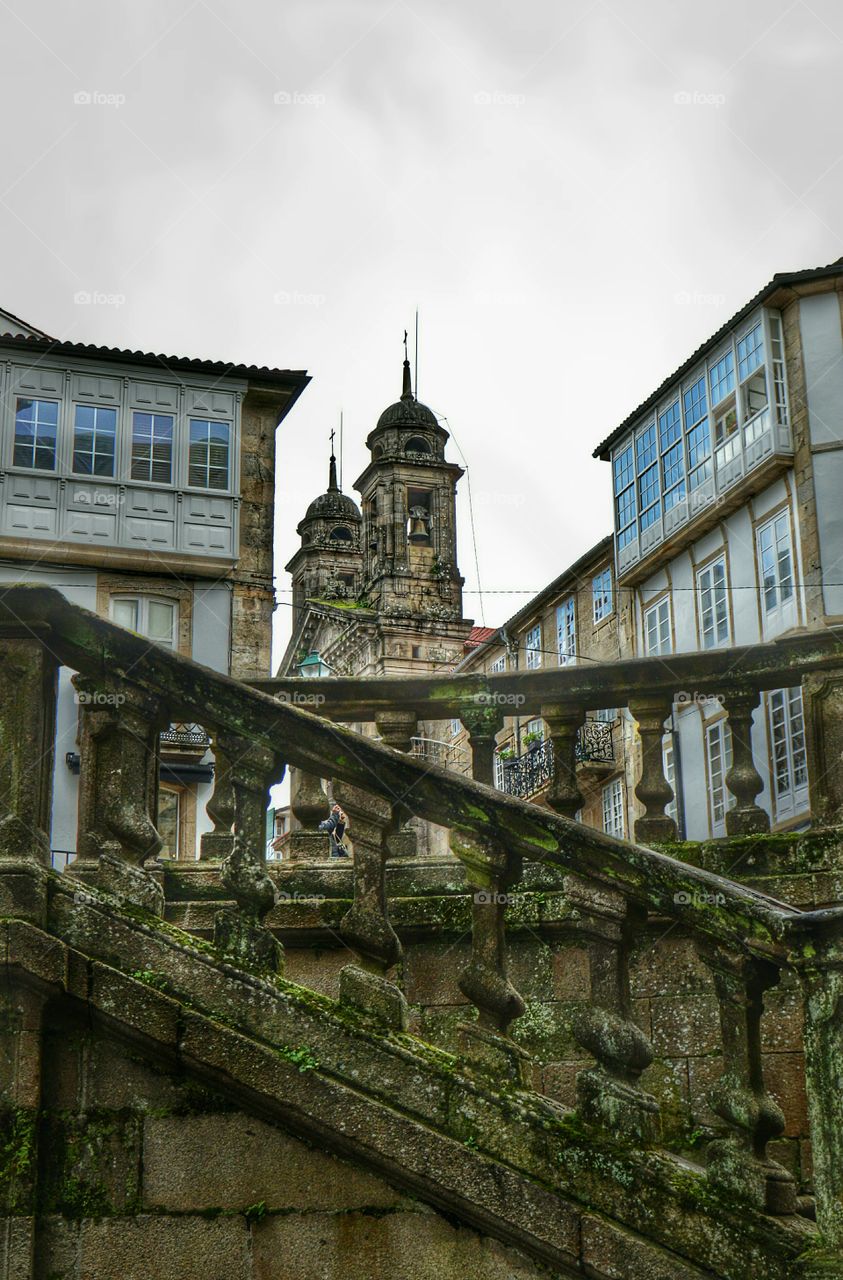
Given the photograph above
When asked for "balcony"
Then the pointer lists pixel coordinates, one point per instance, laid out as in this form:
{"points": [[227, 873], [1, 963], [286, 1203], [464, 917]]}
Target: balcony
{"points": [[531, 772], [743, 463], [434, 751], [185, 739]]}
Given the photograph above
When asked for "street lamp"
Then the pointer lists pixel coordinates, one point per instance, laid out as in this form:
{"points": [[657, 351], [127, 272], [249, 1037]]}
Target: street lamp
{"points": [[313, 667]]}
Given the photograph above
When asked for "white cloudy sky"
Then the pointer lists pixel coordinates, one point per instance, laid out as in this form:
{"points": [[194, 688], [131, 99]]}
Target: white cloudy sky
{"points": [[574, 192]]}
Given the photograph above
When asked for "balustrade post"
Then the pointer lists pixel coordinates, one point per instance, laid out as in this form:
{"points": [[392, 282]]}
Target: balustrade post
{"points": [[823, 707], [397, 729], [563, 726], [240, 933], [744, 781], [365, 927], [28, 682], [740, 1164], [609, 1095], [653, 789], [485, 1044], [119, 728], [217, 844], [482, 723], [817, 955], [309, 806]]}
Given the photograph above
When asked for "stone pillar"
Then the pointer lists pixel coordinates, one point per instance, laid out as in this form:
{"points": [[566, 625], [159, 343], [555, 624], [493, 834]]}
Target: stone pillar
{"points": [[609, 1095], [482, 724], [365, 927], [119, 728], [240, 933], [653, 790], [28, 682], [21, 1052], [397, 730], [309, 805], [563, 726], [485, 1044], [746, 818], [217, 844], [817, 955], [740, 1164], [823, 703]]}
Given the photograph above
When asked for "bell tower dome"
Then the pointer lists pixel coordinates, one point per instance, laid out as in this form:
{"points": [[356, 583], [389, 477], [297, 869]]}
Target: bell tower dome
{"points": [[328, 564]]}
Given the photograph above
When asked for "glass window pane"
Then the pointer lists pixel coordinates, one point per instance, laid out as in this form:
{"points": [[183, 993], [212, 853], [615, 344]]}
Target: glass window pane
{"points": [[161, 622], [125, 613]]}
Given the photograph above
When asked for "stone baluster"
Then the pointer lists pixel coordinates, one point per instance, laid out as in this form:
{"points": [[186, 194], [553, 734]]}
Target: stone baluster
{"points": [[365, 927], [217, 844], [309, 806], [397, 729], [485, 1044], [823, 704], [817, 955], [563, 725], [739, 1164], [653, 789], [482, 723], [27, 730], [745, 818], [240, 933], [119, 728], [609, 1095]]}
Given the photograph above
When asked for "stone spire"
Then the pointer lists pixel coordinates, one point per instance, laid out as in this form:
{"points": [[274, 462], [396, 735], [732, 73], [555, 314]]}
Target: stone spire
{"points": [[407, 389]]}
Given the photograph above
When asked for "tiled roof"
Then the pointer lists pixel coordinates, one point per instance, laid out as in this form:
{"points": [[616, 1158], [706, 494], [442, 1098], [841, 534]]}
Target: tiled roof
{"points": [[479, 635], [783, 280]]}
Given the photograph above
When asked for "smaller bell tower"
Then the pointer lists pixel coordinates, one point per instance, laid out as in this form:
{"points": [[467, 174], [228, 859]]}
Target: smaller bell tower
{"points": [[328, 564], [408, 493]]}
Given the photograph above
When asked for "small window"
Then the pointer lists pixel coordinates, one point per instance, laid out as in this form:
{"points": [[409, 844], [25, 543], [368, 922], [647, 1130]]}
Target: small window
{"points": [[340, 534], [419, 507], [613, 809], [167, 823], [147, 616], [775, 554], [713, 605], [533, 647], [94, 436], [718, 738], [416, 651], [417, 444], [790, 761], [499, 664], [152, 447], [657, 637], [209, 454], [566, 638], [36, 428], [601, 594]]}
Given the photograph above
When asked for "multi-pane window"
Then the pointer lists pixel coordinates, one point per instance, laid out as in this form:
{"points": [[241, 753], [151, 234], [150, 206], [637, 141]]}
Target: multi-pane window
{"points": [[613, 809], [601, 595], [94, 438], [499, 770], [36, 429], [713, 604], [673, 455], [533, 647], [790, 763], [718, 743], [657, 637], [649, 486], [535, 727], [695, 404], [456, 728], [751, 373], [499, 664], [148, 616], [625, 510], [566, 639], [152, 447], [775, 556], [208, 455], [721, 377], [669, 766]]}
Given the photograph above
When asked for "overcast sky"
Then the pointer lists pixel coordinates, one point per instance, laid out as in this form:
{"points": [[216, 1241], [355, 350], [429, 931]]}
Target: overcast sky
{"points": [[575, 195]]}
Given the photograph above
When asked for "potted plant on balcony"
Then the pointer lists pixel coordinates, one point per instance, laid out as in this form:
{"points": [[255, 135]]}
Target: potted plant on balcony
{"points": [[532, 740]]}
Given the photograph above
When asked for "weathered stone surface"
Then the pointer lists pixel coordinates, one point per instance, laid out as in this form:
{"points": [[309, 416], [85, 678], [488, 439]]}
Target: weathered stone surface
{"points": [[612, 1254], [149, 1247], [233, 1161]]}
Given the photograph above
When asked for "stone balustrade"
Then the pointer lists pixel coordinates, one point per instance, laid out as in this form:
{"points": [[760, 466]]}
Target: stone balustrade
{"points": [[128, 690]]}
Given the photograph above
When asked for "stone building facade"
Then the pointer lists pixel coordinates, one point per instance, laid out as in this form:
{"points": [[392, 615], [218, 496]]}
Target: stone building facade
{"points": [[142, 487]]}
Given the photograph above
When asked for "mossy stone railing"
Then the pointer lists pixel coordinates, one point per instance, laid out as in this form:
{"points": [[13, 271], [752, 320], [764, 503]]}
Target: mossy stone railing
{"points": [[128, 688]]}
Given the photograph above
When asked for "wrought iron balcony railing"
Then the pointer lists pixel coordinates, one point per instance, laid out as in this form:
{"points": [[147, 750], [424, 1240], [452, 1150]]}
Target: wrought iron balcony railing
{"points": [[185, 737], [533, 770]]}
